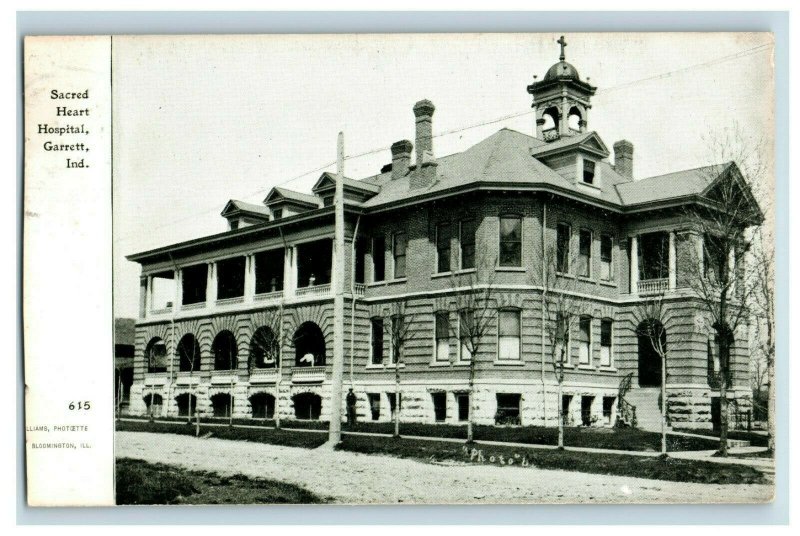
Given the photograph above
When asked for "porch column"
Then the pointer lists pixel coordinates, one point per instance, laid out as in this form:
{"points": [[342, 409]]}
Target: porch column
{"points": [[634, 253], [178, 290], [143, 296], [563, 124], [149, 300], [249, 278], [732, 270], [288, 271], [211, 285], [673, 279]]}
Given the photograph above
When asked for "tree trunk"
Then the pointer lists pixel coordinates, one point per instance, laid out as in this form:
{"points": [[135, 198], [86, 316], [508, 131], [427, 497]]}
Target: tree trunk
{"points": [[664, 405], [397, 400], [560, 415], [470, 436], [771, 404], [725, 344]]}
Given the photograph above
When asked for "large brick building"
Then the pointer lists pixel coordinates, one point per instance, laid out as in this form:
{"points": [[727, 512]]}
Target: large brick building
{"points": [[243, 320]]}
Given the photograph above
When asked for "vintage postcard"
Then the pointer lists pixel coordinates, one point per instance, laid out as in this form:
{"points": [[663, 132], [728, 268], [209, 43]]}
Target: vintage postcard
{"points": [[401, 268]]}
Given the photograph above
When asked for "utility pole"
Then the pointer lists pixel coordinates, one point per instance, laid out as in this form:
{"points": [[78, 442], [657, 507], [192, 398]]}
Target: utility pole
{"points": [[335, 430]]}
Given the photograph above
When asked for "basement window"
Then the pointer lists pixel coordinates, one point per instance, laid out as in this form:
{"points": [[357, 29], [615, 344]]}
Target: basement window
{"points": [[588, 172], [508, 408], [439, 406], [374, 405]]}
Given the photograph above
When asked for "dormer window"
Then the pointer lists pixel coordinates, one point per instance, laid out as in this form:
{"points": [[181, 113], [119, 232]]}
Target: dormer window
{"points": [[588, 172], [277, 213]]}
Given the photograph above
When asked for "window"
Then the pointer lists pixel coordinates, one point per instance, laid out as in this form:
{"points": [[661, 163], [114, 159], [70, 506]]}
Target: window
{"points": [[586, 410], [222, 404], [394, 398], [378, 258], [562, 247], [608, 409], [442, 248], [585, 340], [269, 271], [194, 280], [225, 351], [605, 342], [715, 257], [377, 341], [230, 278], [510, 241], [566, 409], [562, 337], [585, 253], [507, 408], [314, 263], [264, 348], [509, 328], [654, 256], [467, 242], [234, 224], [187, 403], [466, 319], [374, 405], [154, 403], [606, 249], [713, 361], [277, 213], [399, 251], [588, 172], [189, 353], [439, 406], [262, 406], [462, 399], [443, 336]]}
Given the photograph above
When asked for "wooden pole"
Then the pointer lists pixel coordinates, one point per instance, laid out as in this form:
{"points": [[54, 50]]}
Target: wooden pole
{"points": [[337, 372]]}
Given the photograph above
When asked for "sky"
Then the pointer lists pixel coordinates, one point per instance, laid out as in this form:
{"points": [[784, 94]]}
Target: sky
{"points": [[199, 120]]}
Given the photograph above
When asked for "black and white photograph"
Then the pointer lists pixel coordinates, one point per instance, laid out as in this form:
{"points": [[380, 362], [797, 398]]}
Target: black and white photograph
{"points": [[517, 268]]}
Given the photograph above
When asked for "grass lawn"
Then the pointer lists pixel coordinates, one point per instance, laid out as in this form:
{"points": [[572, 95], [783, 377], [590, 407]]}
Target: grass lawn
{"points": [[652, 467], [266, 435], [140, 482]]}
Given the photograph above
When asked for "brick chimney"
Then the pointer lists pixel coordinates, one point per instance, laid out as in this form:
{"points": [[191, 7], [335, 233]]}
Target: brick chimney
{"points": [[425, 172], [401, 158], [623, 158]]}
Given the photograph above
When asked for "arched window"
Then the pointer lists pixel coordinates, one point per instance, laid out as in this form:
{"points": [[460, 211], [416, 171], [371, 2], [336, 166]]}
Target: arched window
{"points": [[550, 117], [222, 404], [309, 343], [189, 353], [263, 406], [264, 348], [307, 406], [225, 352], [652, 343], [187, 404], [156, 355], [154, 403]]}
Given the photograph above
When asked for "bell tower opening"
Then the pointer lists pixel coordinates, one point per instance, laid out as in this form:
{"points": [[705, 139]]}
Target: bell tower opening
{"points": [[561, 100]]}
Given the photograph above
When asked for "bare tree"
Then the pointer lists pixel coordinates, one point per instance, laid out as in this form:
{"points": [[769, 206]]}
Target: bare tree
{"points": [[191, 358], [723, 219], [651, 318], [561, 310], [475, 309], [266, 348], [397, 324], [763, 255]]}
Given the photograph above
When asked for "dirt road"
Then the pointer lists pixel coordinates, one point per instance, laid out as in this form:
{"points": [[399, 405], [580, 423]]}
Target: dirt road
{"points": [[357, 478]]}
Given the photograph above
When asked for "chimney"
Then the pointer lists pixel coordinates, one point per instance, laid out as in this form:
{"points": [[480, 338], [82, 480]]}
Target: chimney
{"points": [[401, 158], [425, 172], [623, 158]]}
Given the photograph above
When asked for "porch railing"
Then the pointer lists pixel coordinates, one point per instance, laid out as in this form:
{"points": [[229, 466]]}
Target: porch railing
{"points": [[626, 412], [264, 375], [314, 292], [308, 374], [268, 296], [652, 286]]}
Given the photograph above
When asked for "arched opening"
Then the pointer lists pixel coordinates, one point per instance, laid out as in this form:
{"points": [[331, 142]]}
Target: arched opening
{"points": [[550, 116], [651, 333], [264, 348], [222, 404], [156, 355], [189, 353], [187, 404], [224, 349], [154, 403], [307, 406], [262, 406], [575, 119], [309, 343]]}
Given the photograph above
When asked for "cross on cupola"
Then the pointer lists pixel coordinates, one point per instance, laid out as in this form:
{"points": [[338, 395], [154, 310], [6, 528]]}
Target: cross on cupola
{"points": [[561, 100], [563, 44]]}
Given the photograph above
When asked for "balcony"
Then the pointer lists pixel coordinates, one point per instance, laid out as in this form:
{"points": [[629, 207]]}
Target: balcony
{"points": [[264, 375], [652, 286], [187, 378], [224, 377], [316, 291], [193, 306], [308, 374], [359, 289], [230, 301]]}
